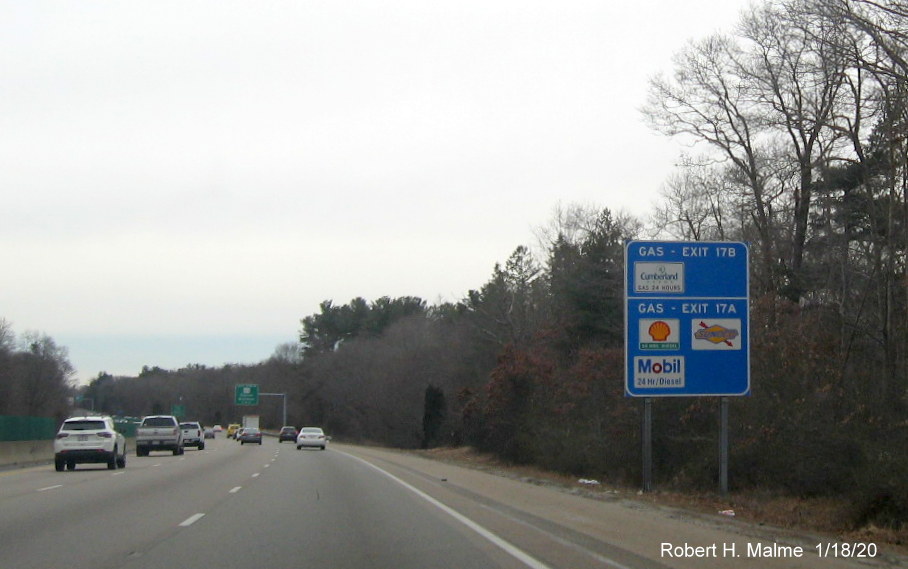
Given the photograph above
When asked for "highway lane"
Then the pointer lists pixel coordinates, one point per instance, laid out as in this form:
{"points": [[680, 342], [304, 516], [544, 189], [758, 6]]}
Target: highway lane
{"points": [[272, 506], [325, 510], [96, 517], [230, 506]]}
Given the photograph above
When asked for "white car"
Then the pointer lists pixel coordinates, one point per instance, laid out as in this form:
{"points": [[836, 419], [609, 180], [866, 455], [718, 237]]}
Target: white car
{"points": [[311, 437], [89, 439], [193, 435]]}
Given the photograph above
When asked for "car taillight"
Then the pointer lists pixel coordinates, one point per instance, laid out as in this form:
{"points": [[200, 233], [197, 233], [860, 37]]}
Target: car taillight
{"points": [[105, 435], [62, 435]]}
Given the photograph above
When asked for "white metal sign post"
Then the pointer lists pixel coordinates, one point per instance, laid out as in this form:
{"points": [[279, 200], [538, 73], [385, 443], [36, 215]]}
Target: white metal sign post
{"points": [[686, 326]]}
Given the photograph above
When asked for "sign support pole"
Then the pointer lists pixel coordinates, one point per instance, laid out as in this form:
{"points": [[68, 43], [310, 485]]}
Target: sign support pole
{"points": [[723, 445], [284, 395], [686, 329], [648, 444]]}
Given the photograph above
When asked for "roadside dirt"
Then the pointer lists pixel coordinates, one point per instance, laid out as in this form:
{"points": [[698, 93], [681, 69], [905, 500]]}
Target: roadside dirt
{"points": [[815, 516]]}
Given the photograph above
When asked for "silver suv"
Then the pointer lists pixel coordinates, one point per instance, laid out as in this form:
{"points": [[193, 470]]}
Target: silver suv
{"points": [[89, 439]]}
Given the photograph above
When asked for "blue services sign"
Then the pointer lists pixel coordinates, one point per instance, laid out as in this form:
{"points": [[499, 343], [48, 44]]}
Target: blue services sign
{"points": [[686, 319]]}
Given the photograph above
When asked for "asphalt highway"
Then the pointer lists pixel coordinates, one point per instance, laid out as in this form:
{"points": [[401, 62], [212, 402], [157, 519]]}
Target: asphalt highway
{"points": [[272, 506]]}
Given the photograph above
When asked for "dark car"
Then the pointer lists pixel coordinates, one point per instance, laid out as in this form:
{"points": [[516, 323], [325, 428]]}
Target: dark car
{"points": [[287, 434], [250, 435]]}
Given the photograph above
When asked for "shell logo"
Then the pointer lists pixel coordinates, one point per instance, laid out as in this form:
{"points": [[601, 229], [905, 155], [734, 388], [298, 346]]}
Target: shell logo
{"points": [[659, 331]]}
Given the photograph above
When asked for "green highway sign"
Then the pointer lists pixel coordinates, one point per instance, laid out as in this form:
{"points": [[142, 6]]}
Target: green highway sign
{"points": [[246, 394]]}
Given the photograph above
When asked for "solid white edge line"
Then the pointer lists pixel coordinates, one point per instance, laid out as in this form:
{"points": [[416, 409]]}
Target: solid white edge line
{"points": [[191, 520], [506, 546], [609, 562]]}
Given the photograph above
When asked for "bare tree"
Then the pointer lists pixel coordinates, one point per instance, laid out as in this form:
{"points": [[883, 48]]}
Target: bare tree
{"points": [[709, 100], [768, 101], [44, 374], [699, 202], [798, 80], [884, 22], [865, 182], [7, 342], [288, 352], [577, 222]]}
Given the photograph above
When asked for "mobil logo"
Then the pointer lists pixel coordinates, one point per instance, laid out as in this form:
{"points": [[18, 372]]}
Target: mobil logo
{"points": [[659, 373], [660, 365]]}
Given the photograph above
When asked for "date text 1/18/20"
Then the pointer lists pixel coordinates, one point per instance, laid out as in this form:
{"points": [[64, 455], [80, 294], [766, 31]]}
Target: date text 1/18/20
{"points": [[847, 550]]}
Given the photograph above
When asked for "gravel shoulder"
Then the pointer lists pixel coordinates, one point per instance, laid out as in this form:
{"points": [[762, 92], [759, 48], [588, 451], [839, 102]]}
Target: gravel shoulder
{"points": [[593, 508]]}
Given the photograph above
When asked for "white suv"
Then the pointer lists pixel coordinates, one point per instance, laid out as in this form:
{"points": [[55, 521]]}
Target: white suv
{"points": [[193, 436], [89, 439]]}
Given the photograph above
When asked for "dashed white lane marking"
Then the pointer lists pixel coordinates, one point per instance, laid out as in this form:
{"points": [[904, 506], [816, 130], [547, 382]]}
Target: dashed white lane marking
{"points": [[256, 475], [46, 488], [191, 520], [235, 489]]}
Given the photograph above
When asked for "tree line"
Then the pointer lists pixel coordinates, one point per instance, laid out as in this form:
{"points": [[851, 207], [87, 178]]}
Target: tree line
{"points": [[797, 124], [35, 374]]}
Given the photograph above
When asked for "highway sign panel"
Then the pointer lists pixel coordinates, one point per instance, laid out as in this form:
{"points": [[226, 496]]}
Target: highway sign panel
{"points": [[687, 319], [246, 394]]}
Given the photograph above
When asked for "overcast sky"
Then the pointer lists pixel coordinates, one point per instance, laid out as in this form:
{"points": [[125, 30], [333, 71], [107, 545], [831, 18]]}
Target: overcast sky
{"points": [[182, 182]]}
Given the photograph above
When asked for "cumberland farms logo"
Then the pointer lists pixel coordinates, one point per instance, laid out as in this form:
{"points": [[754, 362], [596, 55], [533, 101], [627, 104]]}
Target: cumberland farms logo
{"points": [[658, 277], [656, 373]]}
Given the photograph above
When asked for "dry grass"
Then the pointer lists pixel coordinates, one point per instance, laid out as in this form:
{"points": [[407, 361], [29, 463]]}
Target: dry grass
{"points": [[827, 516]]}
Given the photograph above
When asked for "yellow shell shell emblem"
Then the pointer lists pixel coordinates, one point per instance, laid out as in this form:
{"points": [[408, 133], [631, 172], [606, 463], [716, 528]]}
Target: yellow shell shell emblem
{"points": [[659, 331]]}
